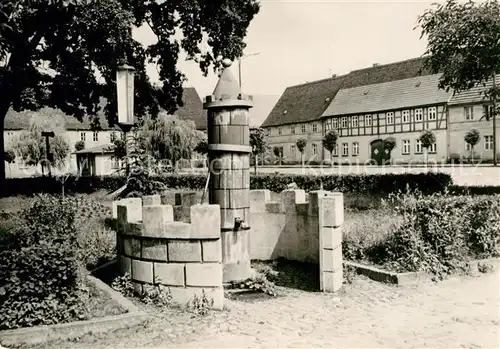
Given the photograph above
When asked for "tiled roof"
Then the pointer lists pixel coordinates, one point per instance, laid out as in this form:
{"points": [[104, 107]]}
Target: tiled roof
{"points": [[422, 90], [99, 149], [474, 95], [192, 110], [308, 101]]}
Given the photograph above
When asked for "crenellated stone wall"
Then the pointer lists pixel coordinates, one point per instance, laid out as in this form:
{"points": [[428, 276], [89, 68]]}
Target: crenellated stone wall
{"points": [[154, 248], [299, 227]]}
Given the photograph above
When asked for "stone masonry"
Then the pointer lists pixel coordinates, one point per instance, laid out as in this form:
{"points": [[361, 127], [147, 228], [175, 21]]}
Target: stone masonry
{"points": [[300, 227], [228, 152], [153, 248]]}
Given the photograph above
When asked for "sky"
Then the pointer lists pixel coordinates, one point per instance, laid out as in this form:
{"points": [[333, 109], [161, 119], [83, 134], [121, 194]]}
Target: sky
{"points": [[300, 41]]}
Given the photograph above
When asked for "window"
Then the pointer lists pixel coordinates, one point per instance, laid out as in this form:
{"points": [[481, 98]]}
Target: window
{"points": [[368, 120], [335, 123], [432, 113], [406, 116], [488, 142], [390, 117], [345, 149], [488, 111], [335, 150], [112, 136], [418, 147], [406, 147], [343, 122], [292, 130], [433, 148], [315, 149], [315, 128], [303, 127], [469, 113], [355, 148], [82, 136], [354, 121], [279, 131], [95, 136], [292, 151], [419, 114]]}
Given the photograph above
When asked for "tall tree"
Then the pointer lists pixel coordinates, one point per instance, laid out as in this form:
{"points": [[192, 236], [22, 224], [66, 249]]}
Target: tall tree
{"points": [[330, 142], [301, 146], [472, 138], [168, 138], [258, 144], [427, 138], [464, 45], [30, 145], [64, 53]]}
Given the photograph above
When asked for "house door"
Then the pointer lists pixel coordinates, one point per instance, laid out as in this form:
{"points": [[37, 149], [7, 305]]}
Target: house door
{"points": [[378, 153]]}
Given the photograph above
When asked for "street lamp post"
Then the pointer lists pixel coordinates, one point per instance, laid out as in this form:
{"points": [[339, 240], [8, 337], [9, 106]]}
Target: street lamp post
{"points": [[125, 100], [239, 64]]}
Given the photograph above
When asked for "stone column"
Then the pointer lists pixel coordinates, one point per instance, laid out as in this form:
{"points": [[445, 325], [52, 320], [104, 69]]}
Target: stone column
{"points": [[229, 162]]}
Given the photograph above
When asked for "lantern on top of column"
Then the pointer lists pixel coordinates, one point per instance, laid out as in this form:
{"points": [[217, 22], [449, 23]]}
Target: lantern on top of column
{"points": [[125, 96]]}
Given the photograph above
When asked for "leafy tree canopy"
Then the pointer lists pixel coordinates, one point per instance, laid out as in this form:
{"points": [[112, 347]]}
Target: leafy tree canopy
{"points": [[64, 53], [390, 143], [472, 137], [258, 141], [427, 138], [80, 145], [330, 140], [9, 156], [301, 144], [463, 42]]}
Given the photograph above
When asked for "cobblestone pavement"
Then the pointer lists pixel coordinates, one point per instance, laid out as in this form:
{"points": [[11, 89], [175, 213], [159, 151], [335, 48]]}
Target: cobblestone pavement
{"points": [[459, 312]]}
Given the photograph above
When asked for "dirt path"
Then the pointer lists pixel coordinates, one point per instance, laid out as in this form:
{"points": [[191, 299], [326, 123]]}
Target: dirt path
{"points": [[460, 312]]}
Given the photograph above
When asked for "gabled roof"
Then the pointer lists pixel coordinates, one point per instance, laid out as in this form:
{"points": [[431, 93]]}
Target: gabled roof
{"points": [[474, 95], [307, 102], [422, 90], [192, 110]]}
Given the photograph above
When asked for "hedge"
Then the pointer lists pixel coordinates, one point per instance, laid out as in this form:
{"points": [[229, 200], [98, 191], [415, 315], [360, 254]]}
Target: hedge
{"points": [[357, 183]]}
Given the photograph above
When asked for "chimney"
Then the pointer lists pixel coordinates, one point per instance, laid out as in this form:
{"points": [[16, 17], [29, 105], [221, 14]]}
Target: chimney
{"points": [[376, 64], [334, 75]]}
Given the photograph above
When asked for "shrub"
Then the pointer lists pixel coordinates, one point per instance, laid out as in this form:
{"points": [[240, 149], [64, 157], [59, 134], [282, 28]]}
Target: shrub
{"points": [[441, 233], [41, 282]]}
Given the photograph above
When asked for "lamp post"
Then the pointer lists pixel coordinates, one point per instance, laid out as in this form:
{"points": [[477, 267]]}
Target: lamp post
{"points": [[239, 63], [125, 100]]}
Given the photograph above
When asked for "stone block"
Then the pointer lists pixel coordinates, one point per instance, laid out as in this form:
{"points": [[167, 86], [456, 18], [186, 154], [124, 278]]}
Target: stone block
{"points": [[154, 219], [221, 117], [332, 282], [258, 199], [184, 251], [331, 237], [184, 295], [125, 265], [177, 230], [239, 117], [154, 249], [246, 179], [331, 210], [150, 200], [331, 259], [185, 199], [134, 229], [205, 221], [274, 207], [314, 197], [121, 220], [302, 209], [204, 274], [169, 274], [291, 197], [239, 198], [131, 247], [231, 179], [211, 250], [134, 209], [142, 271]]}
